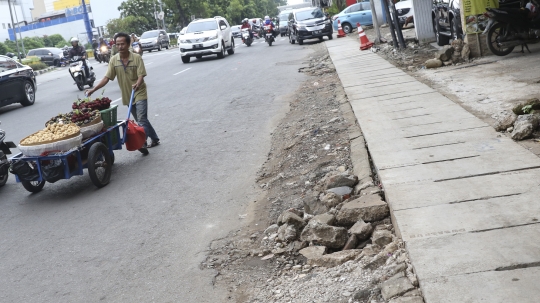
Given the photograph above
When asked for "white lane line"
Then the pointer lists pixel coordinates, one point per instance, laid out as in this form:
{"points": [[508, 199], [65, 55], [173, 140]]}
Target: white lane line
{"points": [[38, 84], [116, 100], [149, 63], [175, 55], [182, 71]]}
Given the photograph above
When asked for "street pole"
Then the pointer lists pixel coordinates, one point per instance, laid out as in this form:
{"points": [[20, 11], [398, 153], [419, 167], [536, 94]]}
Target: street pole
{"points": [[20, 35], [14, 32], [155, 15], [375, 21], [162, 19], [87, 23]]}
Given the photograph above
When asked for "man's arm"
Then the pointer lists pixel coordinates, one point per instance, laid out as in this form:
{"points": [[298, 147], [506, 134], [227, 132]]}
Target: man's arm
{"points": [[140, 80], [102, 83]]}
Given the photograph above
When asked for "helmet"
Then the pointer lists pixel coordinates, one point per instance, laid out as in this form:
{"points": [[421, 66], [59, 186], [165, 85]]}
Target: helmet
{"points": [[93, 39], [266, 18], [74, 39], [245, 20]]}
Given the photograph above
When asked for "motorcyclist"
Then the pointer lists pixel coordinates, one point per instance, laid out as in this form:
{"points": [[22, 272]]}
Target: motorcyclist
{"points": [[268, 21], [245, 24], [78, 50], [102, 42], [135, 41]]}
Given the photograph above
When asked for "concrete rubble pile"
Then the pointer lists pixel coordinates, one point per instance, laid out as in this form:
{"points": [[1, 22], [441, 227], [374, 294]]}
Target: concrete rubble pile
{"points": [[342, 244], [456, 53], [522, 121]]}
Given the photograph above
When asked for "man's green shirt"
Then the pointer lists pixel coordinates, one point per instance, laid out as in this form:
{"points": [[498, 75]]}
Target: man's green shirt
{"points": [[127, 76]]}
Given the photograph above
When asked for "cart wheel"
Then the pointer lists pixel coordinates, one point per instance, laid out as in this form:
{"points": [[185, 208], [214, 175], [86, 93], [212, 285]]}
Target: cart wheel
{"points": [[112, 158], [99, 164], [33, 186]]}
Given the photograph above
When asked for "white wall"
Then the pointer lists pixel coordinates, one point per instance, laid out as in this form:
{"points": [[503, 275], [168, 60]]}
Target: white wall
{"points": [[67, 30], [5, 18]]}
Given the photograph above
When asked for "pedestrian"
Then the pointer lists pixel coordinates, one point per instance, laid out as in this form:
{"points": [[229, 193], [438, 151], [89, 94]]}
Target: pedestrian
{"points": [[129, 70]]}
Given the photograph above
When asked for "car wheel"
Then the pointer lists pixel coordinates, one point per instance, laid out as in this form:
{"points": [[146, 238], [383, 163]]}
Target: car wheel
{"points": [[221, 55], [159, 47], [300, 42], [347, 28], [29, 94], [149, 50], [198, 57], [441, 39], [321, 39], [231, 50], [56, 63], [330, 37], [185, 59], [167, 47]]}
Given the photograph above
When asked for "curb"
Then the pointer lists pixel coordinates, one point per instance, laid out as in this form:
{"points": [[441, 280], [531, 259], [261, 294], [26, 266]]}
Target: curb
{"points": [[48, 69]]}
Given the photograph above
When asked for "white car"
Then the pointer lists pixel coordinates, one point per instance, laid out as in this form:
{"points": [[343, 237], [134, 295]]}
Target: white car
{"points": [[203, 37], [404, 10]]}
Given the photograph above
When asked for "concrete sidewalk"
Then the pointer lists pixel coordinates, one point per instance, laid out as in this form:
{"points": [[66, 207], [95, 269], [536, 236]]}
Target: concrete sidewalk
{"points": [[463, 197]]}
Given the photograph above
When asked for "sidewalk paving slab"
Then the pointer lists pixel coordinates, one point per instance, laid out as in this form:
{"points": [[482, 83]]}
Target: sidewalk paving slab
{"points": [[462, 196]]}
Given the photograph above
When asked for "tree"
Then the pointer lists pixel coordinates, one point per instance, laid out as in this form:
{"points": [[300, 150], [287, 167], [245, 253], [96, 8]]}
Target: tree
{"points": [[129, 24], [57, 39], [4, 49]]}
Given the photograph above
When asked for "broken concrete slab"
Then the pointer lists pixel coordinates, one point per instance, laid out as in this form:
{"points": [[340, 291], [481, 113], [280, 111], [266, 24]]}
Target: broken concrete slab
{"points": [[367, 208], [324, 234], [395, 287], [335, 259], [313, 251], [361, 229]]}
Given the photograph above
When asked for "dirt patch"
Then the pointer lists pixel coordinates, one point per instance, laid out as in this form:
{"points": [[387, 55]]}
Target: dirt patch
{"points": [[311, 148]]}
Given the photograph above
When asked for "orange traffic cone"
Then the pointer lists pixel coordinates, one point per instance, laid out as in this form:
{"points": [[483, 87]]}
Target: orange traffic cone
{"points": [[364, 41], [340, 32]]}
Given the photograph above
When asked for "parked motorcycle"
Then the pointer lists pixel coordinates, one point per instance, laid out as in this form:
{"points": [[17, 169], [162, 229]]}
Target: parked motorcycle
{"points": [[269, 34], [4, 162], [246, 37], [77, 72], [511, 27]]}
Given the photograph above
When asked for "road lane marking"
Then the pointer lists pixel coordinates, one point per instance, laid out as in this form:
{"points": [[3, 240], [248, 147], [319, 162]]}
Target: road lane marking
{"points": [[182, 71], [175, 55], [149, 63], [116, 100]]}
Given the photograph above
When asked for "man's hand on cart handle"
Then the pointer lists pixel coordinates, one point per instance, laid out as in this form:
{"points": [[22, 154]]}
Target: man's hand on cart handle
{"points": [[138, 84], [102, 83]]}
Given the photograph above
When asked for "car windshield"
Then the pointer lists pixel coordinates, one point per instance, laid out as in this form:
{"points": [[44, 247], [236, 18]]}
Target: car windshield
{"points": [[284, 18], [235, 28], [202, 26], [147, 35], [310, 14], [55, 50]]}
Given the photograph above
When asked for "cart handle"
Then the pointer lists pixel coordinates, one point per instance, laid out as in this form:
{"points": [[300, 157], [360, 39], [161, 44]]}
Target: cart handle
{"points": [[128, 115]]}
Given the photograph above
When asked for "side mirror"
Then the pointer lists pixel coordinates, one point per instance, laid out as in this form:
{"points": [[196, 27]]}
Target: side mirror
{"points": [[327, 15], [223, 27]]}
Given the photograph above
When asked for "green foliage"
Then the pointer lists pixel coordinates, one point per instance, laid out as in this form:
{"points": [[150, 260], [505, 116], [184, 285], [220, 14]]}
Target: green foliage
{"points": [[4, 49], [57, 39], [129, 24], [38, 65], [33, 42], [178, 12], [174, 41], [528, 109], [31, 60]]}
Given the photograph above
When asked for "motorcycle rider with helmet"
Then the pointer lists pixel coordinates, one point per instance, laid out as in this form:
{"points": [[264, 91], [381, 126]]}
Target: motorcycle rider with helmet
{"points": [[245, 24], [268, 21], [78, 50]]}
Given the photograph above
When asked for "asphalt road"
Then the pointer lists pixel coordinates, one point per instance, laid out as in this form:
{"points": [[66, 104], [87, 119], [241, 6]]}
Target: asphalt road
{"points": [[142, 237]]}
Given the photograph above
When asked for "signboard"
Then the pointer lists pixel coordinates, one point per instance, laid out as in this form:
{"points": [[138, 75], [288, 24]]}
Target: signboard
{"points": [[473, 10], [77, 10]]}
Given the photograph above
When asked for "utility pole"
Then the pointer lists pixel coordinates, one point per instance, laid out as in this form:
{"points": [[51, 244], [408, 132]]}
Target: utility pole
{"points": [[375, 21], [155, 15], [163, 14], [20, 35], [87, 23], [14, 33]]}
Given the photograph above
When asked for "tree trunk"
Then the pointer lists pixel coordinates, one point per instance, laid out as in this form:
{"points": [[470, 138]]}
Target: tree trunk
{"points": [[180, 12]]}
